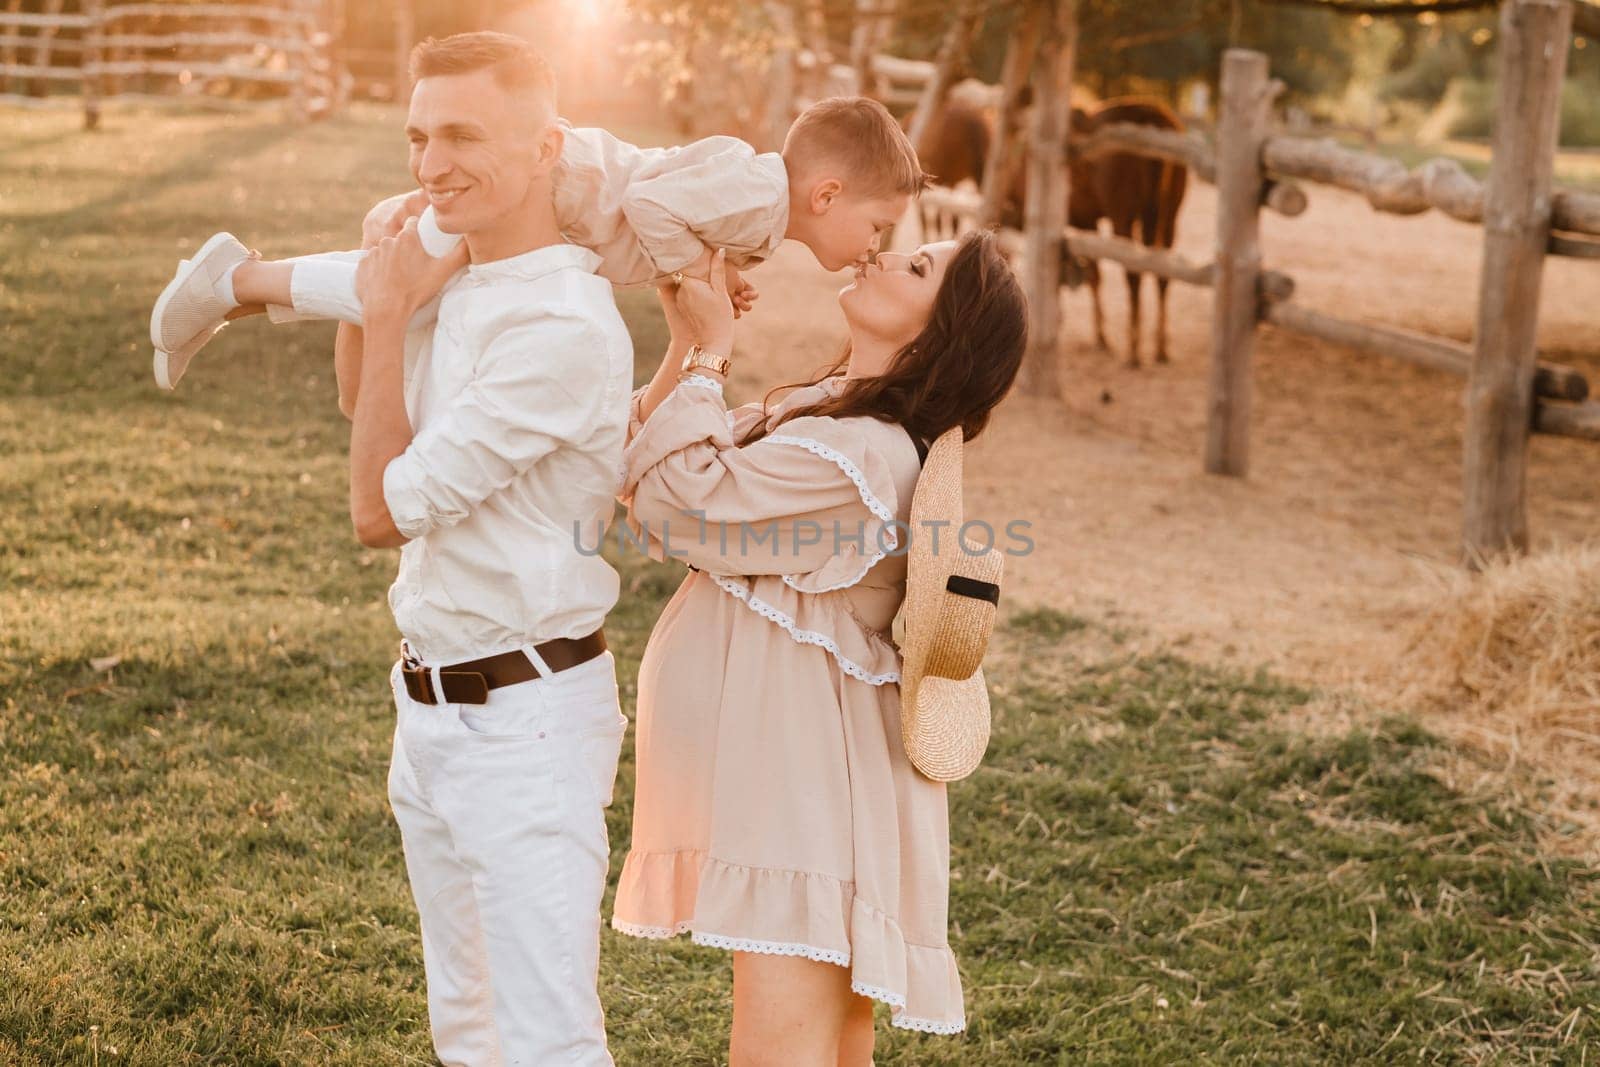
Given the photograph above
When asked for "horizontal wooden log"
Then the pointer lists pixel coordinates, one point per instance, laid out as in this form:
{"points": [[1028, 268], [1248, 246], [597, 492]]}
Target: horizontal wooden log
{"points": [[1274, 285], [1553, 380], [897, 69], [1387, 184], [1575, 211], [205, 40], [199, 70], [1138, 257], [192, 100], [959, 201], [1441, 184], [1191, 149], [18, 19], [23, 70], [56, 44], [1286, 198], [1568, 420], [1562, 244], [116, 12]]}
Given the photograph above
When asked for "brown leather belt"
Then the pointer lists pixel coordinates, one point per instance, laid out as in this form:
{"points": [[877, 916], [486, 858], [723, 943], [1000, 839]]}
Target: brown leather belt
{"points": [[469, 682]]}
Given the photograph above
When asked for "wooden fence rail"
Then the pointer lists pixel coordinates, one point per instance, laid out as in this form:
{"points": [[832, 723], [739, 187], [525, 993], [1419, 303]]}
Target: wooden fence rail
{"points": [[1388, 185], [1511, 391], [1551, 380], [108, 50]]}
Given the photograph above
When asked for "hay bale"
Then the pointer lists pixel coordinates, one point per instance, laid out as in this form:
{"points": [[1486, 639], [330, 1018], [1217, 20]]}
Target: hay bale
{"points": [[1517, 646]]}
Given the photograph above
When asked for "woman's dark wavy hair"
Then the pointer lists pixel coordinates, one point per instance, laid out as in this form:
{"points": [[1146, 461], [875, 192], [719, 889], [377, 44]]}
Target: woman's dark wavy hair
{"points": [[956, 370]]}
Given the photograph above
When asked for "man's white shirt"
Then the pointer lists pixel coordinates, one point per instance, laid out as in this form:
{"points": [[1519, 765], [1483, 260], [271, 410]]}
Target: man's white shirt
{"points": [[518, 400]]}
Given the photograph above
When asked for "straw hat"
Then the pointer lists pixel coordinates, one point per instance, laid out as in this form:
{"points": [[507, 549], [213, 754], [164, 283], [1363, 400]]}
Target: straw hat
{"points": [[951, 597]]}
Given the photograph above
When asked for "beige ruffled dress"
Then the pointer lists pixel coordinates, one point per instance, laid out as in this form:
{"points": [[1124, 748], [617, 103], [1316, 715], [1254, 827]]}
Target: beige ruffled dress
{"points": [[775, 809]]}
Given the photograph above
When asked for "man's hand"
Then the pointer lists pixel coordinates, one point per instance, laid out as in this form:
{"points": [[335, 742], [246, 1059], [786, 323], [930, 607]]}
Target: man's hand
{"points": [[398, 276], [388, 216]]}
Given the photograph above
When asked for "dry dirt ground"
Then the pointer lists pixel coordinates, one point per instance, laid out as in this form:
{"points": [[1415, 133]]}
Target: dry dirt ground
{"points": [[1314, 565]]}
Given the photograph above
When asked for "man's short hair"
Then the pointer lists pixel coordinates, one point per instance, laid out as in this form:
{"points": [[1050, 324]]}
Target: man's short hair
{"points": [[517, 66], [857, 135]]}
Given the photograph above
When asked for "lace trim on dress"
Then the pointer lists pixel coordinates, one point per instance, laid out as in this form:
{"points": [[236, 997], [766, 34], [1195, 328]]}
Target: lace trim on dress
{"points": [[701, 381], [894, 1000], [927, 1026], [772, 948], [805, 637], [874, 505], [654, 933]]}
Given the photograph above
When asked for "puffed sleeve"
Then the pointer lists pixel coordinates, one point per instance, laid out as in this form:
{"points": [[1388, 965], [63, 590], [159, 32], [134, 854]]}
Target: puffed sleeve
{"points": [[814, 501], [716, 192]]}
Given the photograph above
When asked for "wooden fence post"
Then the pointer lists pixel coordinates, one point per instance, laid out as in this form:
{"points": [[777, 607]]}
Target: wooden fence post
{"points": [[1516, 225], [93, 45], [953, 50], [8, 51], [1245, 120], [868, 33], [1046, 209], [1001, 165], [297, 33], [816, 42], [405, 31], [43, 42], [780, 82]]}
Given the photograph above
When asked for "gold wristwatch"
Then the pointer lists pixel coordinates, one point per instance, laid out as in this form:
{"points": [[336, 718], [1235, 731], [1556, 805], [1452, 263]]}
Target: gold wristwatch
{"points": [[699, 357]]}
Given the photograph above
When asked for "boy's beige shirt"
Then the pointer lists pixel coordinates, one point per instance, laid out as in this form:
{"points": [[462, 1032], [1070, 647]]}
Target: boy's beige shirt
{"points": [[650, 211]]}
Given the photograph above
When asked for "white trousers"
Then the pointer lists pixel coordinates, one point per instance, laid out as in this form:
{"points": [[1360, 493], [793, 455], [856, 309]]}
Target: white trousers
{"points": [[501, 813], [323, 286]]}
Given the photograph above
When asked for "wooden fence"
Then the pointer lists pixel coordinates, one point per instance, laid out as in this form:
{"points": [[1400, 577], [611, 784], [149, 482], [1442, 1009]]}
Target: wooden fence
{"points": [[132, 51], [1510, 391]]}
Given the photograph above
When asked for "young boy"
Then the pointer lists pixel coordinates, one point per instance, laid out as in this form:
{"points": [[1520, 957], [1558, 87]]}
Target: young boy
{"points": [[844, 176]]}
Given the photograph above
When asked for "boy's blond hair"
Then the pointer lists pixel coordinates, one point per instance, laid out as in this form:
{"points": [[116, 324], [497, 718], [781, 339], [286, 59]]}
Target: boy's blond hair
{"points": [[517, 66], [857, 135]]}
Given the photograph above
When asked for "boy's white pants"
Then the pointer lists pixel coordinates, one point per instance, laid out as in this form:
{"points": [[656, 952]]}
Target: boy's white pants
{"points": [[323, 286], [501, 813]]}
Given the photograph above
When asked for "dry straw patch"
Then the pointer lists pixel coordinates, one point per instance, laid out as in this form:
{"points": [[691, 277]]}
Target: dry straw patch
{"points": [[1509, 660]]}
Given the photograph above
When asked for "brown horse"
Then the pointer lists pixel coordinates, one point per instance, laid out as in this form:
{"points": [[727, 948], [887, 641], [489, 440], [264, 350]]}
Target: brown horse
{"points": [[1134, 192]]}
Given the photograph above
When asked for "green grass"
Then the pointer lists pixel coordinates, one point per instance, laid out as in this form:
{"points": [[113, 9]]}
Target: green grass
{"points": [[198, 864]]}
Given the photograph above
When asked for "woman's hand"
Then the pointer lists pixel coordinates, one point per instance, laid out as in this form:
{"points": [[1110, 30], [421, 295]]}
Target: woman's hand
{"points": [[389, 215], [398, 276], [677, 327], [705, 309]]}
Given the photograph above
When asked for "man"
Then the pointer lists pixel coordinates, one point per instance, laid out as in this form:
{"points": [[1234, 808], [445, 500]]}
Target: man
{"points": [[480, 444]]}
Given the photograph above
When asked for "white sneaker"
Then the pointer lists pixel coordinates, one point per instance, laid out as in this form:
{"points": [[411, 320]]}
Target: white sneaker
{"points": [[169, 366], [188, 313]]}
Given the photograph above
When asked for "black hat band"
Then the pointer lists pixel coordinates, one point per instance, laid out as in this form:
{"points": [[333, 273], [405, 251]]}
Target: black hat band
{"points": [[972, 587]]}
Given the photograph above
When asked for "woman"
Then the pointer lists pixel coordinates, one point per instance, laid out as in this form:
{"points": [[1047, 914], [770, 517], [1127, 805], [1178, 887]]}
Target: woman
{"points": [[776, 813]]}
